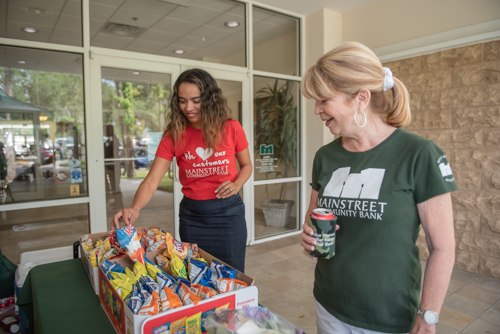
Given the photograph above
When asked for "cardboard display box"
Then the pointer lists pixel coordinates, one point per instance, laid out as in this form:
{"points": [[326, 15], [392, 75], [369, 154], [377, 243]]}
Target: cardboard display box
{"points": [[125, 321]]}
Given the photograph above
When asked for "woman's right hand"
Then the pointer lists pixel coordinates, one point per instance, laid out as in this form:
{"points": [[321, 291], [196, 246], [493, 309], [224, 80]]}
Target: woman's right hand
{"points": [[128, 216]]}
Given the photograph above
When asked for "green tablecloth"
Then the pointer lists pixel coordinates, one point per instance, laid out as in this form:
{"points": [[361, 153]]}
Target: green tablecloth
{"points": [[58, 298]]}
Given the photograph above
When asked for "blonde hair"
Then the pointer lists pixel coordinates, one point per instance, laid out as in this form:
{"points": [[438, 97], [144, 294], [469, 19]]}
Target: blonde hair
{"points": [[351, 67]]}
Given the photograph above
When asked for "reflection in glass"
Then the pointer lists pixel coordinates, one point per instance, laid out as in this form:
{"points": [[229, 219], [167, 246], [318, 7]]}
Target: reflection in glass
{"points": [[276, 208], [275, 42], [29, 230], [275, 128], [135, 105], [49, 21], [198, 31], [42, 125]]}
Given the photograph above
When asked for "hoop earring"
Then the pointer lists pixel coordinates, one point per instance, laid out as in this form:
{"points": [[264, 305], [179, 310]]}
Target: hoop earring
{"points": [[356, 118]]}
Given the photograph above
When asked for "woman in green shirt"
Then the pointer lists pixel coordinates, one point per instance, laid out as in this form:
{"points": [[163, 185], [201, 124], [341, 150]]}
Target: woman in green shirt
{"points": [[382, 183]]}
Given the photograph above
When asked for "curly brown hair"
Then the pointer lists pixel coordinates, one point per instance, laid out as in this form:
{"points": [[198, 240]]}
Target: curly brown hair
{"points": [[214, 110]]}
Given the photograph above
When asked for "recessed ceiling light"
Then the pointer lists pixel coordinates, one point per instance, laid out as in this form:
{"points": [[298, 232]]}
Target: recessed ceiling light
{"points": [[232, 24], [30, 30], [136, 72], [179, 51], [21, 61]]}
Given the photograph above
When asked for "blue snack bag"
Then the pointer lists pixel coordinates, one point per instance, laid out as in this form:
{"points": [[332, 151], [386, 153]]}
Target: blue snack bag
{"points": [[109, 267], [134, 299], [199, 272]]}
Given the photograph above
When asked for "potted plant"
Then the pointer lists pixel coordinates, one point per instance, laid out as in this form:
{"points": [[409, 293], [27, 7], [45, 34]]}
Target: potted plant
{"points": [[277, 126]]}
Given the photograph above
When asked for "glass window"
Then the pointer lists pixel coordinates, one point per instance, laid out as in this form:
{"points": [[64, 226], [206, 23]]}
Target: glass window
{"points": [[42, 124], [135, 105], [276, 137], [29, 230], [206, 30], [275, 42], [49, 21], [276, 208]]}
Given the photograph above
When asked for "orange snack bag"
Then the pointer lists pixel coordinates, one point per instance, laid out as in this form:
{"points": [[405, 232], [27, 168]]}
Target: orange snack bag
{"points": [[169, 300], [151, 306], [187, 296]]}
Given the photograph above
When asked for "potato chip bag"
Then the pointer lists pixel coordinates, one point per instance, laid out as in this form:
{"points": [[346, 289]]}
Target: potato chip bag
{"points": [[178, 326], [207, 292], [196, 288], [130, 241], [94, 255], [192, 250], [175, 247], [86, 242], [151, 306], [161, 260], [169, 300], [177, 266], [187, 296], [152, 269], [140, 269], [149, 284], [199, 272], [134, 300], [229, 284], [193, 324], [108, 267], [122, 286], [164, 280]]}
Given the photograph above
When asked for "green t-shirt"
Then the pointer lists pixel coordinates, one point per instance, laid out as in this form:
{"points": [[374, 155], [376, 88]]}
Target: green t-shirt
{"points": [[373, 281]]}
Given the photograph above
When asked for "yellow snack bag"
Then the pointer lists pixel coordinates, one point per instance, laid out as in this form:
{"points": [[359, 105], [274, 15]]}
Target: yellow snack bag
{"points": [[152, 270], [140, 269], [94, 253], [193, 324], [86, 241], [123, 287], [131, 276], [177, 267], [178, 326]]}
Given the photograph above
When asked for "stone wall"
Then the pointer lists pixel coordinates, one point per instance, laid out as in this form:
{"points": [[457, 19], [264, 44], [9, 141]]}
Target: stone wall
{"points": [[455, 101]]}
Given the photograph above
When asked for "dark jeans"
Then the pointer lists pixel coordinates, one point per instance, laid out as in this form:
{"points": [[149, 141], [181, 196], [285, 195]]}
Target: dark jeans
{"points": [[218, 227]]}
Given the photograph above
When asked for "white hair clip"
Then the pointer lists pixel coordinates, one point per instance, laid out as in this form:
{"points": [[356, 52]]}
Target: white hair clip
{"points": [[388, 79]]}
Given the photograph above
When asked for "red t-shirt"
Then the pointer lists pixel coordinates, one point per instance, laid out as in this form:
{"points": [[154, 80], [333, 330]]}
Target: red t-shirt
{"points": [[202, 170]]}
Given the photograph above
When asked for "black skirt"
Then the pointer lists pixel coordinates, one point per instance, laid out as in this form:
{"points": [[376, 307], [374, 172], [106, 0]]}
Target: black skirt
{"points": [[218, 226]]}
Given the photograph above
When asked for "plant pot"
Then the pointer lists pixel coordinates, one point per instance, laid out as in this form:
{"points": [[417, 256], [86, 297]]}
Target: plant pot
{"points": [[276, 212]]}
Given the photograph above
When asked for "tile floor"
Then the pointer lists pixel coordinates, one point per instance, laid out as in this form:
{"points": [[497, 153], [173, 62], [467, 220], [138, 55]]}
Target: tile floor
{"points": [[285, 276]]}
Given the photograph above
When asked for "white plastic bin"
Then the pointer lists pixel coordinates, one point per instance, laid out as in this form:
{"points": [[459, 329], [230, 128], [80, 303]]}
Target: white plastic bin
{"points": [[29, 260]]}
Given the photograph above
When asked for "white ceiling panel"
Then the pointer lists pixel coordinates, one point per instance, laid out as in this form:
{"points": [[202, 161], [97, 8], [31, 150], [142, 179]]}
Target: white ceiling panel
{"points": [[112, 3], [159, 37], [237, 10], [69, 22], [65, 41], [95, 26], [68, 34], [144, 46], [175, 26], [23, 15], [150, 78], [144, 6], [110, 41], [216, 4], [189, 41], [145, 19], [73, 8], [101, 12], [195, 14], [260, 14], [237, 39], [281, 20]]}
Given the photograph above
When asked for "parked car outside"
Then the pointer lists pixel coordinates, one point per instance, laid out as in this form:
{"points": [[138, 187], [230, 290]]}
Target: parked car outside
{"points": [[140, 157]]}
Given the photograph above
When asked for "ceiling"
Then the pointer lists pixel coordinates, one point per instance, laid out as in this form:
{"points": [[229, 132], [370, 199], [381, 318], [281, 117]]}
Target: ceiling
{"points": [[305, 7]]}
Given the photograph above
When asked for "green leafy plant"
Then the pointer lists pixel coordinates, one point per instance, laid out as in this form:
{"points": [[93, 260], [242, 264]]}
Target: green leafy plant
{"points": [[277, 125]]}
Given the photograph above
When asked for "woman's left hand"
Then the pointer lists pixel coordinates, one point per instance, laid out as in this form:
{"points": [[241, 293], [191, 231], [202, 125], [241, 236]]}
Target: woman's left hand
{"points": [[227, 189]]}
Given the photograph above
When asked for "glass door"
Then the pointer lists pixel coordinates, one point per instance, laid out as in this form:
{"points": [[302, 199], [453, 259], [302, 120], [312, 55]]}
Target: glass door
{"points": [[135, 97]]}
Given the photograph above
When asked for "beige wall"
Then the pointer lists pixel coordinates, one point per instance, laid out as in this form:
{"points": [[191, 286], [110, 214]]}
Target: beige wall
{"points": [[387, 22], [455, 101]]}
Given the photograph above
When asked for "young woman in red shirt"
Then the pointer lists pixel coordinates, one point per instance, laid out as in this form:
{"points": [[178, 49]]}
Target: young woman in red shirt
{"points": [[206, 143]]}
